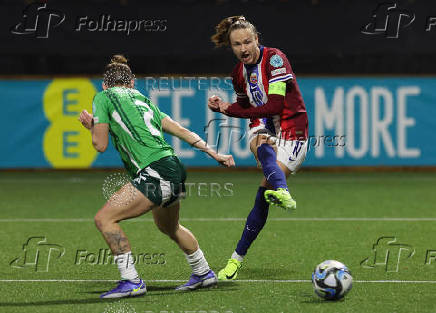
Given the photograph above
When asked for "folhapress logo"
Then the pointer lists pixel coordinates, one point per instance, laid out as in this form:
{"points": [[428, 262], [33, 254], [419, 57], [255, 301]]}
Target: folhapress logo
{"points": [[37, 254], [388, 253], [37, 20], [387, 20]]}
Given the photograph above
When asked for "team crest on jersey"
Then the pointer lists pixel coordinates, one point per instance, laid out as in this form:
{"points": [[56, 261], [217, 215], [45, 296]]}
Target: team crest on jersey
{"points": [[253, 78], [276, 61]]}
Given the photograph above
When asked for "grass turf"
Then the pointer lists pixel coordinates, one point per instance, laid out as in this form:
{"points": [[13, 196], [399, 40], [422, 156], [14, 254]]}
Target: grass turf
{"points": [[286, 251]]}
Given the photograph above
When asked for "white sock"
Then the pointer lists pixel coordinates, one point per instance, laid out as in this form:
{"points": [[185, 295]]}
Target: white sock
{"points": [[198, 262], [238, 257], [126, 266]]}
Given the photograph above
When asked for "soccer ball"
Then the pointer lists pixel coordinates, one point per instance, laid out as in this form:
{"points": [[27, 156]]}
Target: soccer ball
{"points": [[331, 280]]}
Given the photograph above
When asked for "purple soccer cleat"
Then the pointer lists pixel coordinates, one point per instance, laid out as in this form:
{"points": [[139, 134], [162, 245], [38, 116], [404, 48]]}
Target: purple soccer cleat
{"points": [[196, 282], [124, 289]]}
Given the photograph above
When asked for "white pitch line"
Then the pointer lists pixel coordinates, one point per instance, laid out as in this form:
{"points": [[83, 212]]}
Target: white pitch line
{"points": [[234, 219], [240, 281]]}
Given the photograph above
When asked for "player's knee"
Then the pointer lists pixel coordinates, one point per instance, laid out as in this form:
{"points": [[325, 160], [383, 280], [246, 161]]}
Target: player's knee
{"points": [[265, 149], [173, 237], [172, 232], [98, 221], [266, 139], [161, 228], [260, 141], [101, 220], [165, 229]]}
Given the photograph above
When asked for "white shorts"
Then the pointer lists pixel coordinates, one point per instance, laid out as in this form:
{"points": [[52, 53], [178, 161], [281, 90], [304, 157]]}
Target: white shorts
{"points": [[291, 153]]}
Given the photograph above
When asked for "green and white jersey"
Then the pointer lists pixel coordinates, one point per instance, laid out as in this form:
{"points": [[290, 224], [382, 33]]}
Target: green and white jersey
{"points": [[134, 124]]}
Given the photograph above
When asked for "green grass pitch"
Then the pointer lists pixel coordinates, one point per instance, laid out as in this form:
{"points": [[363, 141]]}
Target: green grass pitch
{"points": [[340, 216]]}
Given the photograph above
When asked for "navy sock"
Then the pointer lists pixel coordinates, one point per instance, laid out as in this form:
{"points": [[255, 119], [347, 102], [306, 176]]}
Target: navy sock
{"points": [[255, 222], [273, 173]]}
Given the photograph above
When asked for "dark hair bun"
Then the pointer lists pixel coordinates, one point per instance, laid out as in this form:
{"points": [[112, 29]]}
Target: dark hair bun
{"points": [[119, 58]]}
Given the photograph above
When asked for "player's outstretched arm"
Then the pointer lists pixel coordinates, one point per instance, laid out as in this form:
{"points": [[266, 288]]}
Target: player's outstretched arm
{"points": [[172, 127], [217, 104], [99, 132], [274, 105]]}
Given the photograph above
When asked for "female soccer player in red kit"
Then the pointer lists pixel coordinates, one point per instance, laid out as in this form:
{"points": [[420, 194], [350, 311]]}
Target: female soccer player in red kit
{"points": [[267, 94]]}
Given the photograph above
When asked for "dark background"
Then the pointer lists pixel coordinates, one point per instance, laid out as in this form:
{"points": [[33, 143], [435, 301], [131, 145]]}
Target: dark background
{"points": [[322, 37]]}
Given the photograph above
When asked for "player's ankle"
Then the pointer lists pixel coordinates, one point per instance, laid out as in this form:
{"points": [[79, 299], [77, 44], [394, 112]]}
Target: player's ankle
{"points": [[237, 257]]}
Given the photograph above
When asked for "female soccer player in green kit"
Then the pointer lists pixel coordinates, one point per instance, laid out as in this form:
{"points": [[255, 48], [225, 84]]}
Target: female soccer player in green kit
{"points": [[158, 177]]}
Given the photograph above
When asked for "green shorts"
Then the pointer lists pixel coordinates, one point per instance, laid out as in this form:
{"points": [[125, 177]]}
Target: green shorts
{"points": [[163, 181]]}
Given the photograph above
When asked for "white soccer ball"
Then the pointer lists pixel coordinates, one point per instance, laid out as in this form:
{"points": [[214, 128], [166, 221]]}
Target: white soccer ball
{"points": [[331, 280]]}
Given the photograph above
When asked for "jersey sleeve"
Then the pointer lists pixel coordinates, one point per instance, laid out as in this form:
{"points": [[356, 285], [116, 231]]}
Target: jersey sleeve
{"points": [[238, 82], [273, 107], [239, 86], [155, 109], [162, 115], [100, 109], [278, 67]]}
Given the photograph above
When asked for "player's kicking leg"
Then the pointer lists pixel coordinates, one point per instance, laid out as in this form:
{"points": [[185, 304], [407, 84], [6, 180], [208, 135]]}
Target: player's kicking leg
{"points": [[127, 203], [273, 190], [290, 156], [275, 172], [254, 224], [167, 220]]}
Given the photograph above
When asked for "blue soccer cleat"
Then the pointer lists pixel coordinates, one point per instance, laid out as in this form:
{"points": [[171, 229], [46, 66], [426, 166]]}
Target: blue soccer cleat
{"points": [[124, 289], [195, 282]]}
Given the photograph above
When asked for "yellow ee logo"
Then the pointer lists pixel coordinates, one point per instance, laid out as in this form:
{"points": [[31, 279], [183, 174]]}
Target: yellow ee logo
{"points": [[66, 142]]}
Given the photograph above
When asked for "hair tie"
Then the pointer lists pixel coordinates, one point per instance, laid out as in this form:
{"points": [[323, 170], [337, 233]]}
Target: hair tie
{"points": [[235, 20]]}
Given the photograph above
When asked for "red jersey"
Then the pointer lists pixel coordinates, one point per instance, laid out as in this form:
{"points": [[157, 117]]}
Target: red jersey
{"points": [[251, 82]]}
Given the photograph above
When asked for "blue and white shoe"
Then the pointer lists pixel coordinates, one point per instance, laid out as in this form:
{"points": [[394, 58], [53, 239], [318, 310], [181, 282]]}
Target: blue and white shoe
{"points": [[124, 289], [196, 282]]}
